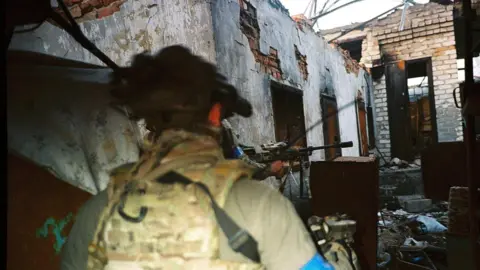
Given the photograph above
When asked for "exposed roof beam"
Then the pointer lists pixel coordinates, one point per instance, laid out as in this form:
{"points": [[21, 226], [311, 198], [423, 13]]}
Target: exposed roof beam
{"points": [[365, 23]]}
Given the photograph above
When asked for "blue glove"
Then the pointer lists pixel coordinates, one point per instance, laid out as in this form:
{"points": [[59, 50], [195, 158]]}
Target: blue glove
{"points": [[317, 263], [238, 152]]}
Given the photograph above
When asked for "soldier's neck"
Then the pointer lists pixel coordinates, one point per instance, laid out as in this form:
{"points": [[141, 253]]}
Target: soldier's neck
{"points": [[181, 142]]}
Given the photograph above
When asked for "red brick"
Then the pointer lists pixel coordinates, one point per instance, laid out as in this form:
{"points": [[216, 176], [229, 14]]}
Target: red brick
{"points": [[273, 51], [108, 11], [76, 11], [106, 3], [71, 2]]}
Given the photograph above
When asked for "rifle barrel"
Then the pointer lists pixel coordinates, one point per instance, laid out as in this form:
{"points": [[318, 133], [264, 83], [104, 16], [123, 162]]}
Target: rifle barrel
{"points": [[337, 145]]}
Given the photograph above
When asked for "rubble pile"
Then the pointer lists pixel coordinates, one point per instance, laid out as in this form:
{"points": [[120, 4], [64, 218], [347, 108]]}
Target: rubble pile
{"points": [[396, 164], [412, 238]]}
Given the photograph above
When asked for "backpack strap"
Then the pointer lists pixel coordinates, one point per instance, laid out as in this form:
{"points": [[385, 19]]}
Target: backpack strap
{"points": [[238, 239]]}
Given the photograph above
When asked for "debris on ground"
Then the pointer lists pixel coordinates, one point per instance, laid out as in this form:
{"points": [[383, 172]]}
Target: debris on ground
{"points": [[399, 164], [410, 238]]}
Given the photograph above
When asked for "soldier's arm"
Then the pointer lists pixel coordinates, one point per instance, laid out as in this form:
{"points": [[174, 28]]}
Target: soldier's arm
{"points": [[75, 251], [262, 169], [283, 241]]}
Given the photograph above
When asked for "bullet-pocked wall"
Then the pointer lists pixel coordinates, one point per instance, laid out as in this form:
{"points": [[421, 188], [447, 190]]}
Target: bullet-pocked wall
{"points": [[120, 29], [257, 42]]}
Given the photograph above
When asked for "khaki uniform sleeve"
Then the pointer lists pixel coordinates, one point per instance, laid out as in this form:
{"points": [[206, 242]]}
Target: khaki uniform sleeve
{"points": [[263, 171], [75, 251], [283, 241]]}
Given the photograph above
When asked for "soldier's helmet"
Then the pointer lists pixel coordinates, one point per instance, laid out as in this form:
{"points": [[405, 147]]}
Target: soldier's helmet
{"points": [[175, 89]]}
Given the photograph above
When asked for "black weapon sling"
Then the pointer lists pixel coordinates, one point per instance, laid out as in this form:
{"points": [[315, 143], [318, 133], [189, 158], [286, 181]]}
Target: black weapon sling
{"points": [[238, 239]]}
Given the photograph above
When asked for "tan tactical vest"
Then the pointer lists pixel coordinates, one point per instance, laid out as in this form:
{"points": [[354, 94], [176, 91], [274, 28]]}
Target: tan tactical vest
{"points": [[179, 230]]}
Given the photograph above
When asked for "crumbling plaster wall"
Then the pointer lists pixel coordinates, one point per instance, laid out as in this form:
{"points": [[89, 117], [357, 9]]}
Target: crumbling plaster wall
{"points": [[278, 31], [124, 28], [428, 32], [138, 26]]}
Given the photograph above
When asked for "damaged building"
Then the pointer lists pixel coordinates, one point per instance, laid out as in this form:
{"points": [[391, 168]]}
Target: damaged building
{"points": [[292, 76], [417, 57]]}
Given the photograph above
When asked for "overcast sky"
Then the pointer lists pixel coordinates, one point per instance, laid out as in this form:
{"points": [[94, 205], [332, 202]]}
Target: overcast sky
{"points": [[358, 12]]}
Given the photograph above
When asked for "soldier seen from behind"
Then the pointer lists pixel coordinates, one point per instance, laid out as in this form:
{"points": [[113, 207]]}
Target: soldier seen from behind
{"points": [[183, 205]]}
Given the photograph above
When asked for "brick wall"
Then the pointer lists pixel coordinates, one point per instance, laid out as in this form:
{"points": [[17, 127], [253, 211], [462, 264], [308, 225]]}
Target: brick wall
{"points": [[428, 32], [85, 10], [270, 63]]}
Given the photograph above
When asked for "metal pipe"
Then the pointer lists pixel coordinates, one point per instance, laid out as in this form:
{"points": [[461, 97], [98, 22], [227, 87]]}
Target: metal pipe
{"points": [[469, 132], [365, 23], [404, 14], [335, 9]]}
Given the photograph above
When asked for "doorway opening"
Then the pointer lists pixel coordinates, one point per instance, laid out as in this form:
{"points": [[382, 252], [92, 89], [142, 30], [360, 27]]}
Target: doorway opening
{"points": [[362, 125], [420, 97], [411, 107], [288, 114], [331, 129]]}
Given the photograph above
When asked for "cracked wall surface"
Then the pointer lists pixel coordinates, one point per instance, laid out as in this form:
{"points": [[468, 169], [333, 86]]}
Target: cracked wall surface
{"points": [[250, 50], [237, 57], [143, 25]]}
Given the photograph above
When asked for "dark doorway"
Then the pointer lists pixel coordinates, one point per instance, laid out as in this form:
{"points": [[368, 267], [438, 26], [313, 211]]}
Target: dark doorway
{"points": [[411, 107], [362, 125], [331, 130], [288, 114]]}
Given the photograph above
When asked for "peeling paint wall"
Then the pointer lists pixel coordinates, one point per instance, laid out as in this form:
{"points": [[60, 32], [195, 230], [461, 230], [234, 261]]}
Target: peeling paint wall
{"points": [[278, 31], [75, 134], [143, 25], [298, 57]]}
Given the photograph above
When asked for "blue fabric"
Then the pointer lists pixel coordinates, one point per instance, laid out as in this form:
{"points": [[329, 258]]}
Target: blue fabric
{"points": [[317, 263], [238, 152]]}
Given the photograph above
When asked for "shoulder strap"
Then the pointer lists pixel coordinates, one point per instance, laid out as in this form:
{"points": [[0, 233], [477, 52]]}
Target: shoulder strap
{"points": [[238, 239]]}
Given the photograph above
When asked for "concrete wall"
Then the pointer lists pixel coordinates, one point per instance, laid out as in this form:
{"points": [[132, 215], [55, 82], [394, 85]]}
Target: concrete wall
{"points": [[143, 25], [81, 144], [301, 59], [244, 63]]}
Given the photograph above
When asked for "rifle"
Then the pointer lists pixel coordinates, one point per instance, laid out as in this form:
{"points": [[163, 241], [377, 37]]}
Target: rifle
{"points": [[278, 151], [281, 151]]}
